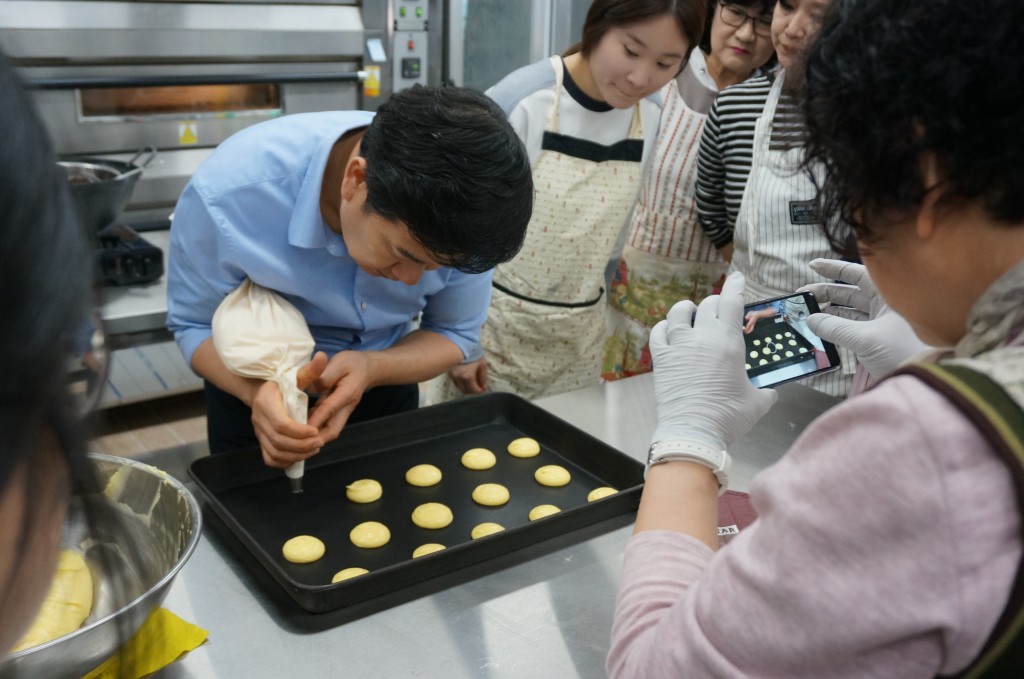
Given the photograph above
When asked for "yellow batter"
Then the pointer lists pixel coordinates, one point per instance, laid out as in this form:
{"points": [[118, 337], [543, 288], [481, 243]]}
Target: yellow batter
{"points": [[428, 548], [347, 573], [598, 493], [540, 511], [432, 515], [524, 447], [370, 534], [303, 549], [552, 475], [490, 494], [488, 528], [363, 491], [67, 603], [478, 458], [423, 475]]}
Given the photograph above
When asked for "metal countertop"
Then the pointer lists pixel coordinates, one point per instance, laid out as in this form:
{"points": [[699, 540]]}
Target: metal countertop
{"points": [[547, 615]]}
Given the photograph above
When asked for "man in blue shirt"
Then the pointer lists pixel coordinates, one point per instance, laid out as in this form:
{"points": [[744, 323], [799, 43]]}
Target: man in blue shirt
{"points": [[363, 222]]}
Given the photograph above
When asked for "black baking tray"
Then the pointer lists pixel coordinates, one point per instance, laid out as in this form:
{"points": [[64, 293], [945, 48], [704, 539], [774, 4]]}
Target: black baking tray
{"points": [[256, 505]]}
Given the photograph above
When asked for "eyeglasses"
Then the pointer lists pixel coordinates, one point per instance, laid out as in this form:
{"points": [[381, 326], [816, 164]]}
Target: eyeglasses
{"points": [[733, 15]]}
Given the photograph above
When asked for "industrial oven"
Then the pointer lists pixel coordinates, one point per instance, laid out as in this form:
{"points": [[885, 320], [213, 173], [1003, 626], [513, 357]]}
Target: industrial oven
{"points": [[112, 77]]}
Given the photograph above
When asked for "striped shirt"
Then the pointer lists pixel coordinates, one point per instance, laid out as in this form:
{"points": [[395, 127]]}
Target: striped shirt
{"points": [[726, 150]]}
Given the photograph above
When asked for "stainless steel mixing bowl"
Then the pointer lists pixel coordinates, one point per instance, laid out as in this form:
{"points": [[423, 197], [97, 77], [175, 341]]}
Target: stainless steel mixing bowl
{"points": [[162, 518]]}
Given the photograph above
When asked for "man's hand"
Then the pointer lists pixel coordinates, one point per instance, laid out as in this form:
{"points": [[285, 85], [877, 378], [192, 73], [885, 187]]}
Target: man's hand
{"points": [[470, 378], [340, 386], [283, 441]]}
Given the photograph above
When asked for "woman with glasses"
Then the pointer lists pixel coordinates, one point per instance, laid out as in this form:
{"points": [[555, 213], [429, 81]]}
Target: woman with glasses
{"points": [[889, 537], [46, 280], [666, 256]]}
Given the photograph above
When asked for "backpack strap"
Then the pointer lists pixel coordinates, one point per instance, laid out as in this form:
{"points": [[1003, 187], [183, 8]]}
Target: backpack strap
{"points": [[1001, 421]]}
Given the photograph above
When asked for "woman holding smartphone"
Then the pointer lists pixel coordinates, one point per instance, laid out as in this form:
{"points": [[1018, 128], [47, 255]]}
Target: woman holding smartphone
{"points": [[889, 538]]}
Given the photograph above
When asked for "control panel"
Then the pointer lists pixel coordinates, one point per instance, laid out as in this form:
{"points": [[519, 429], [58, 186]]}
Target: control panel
{"points": [[409, 49]]}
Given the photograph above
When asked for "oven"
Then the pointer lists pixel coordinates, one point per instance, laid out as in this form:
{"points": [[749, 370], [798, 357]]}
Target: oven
{"points": [[111, 77]]}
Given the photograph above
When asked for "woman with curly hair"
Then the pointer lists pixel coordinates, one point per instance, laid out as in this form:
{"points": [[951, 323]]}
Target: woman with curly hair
{"points": [[889, 538]]}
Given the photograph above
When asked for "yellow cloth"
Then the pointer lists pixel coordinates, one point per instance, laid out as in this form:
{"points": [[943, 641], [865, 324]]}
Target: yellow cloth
{"points": [[161, 640]]}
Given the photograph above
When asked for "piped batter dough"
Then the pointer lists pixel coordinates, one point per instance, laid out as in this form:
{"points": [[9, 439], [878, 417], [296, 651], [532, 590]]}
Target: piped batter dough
{"points": [[803, 350], [478, 458], [524, 447], [428, 548], [432, 515], [303, 549], [789, 354], [776, 357], [423, 475], [603, 491], [754, 354], [762, 362], [346, 573], [370, 534], [757, 343], [363, 491], [480, 530], [792, 343], [540, 511], [552, 475], [490, 494]]}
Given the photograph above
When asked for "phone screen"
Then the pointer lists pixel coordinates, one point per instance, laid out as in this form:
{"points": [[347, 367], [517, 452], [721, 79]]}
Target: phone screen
{"points": [[780, 346]]}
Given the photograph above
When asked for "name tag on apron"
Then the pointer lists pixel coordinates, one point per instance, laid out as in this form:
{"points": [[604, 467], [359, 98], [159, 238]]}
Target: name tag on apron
{"points": [[803, 212]]}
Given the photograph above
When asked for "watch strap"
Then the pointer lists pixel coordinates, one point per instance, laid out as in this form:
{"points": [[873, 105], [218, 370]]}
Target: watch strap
{"points": [[715, 459]]}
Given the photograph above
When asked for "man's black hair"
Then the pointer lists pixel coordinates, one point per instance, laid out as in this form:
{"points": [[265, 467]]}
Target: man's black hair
{"points": [[446, 162]]}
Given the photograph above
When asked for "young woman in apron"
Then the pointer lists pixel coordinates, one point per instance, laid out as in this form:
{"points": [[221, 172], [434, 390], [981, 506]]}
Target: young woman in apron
{"points": [[666, 256], [588, 124]]}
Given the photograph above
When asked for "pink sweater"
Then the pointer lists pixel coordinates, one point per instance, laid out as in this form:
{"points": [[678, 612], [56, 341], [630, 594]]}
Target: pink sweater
{"points": [[886, 544]]}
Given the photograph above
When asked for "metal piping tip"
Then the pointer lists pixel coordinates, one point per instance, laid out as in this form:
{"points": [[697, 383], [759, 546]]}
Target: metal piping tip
{"points": [[296, 484]]}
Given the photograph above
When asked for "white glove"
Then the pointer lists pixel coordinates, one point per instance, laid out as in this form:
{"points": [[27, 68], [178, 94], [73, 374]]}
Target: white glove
{"points": [[702, 390], [859, 319]]}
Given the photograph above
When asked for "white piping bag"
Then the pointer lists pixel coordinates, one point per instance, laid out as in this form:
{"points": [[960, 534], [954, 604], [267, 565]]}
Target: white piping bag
{"points": [[257, 333]]}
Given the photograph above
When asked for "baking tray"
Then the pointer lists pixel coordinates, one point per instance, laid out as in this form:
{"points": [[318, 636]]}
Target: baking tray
{"points": [[256, 505], [767, 330]]}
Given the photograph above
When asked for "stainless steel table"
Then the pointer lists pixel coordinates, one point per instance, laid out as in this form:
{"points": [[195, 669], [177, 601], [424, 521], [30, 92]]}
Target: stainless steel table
{"points": [[548, 615]]}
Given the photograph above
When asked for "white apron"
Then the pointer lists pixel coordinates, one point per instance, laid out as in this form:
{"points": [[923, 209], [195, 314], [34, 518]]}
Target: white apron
{"points": [[667, 257], [545, 327], [778, 230]]}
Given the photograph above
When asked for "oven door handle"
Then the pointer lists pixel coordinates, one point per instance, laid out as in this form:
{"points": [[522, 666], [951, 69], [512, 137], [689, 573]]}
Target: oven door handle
{"points": [[85, 82]]}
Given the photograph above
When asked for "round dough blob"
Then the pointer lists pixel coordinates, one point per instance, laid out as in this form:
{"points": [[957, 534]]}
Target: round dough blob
{"points": [[789, 354], [540, 511], [603, 491], [303, 549], [423, 475], [762, 362], [524, 447], [803, 350], [747, 366], [428, 548], [346, 573], [788, 334], [552, 475], [432, 515], [478, 458], [757, 343], [363, 491], [370, 534], [778, 336], [776, 357], [480, 530], [490, 494], [792, 343], [754, 354]]}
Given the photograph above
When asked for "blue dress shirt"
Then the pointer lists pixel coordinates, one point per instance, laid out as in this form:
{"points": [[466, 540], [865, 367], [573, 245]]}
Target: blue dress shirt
{"points": [[252, 209]]}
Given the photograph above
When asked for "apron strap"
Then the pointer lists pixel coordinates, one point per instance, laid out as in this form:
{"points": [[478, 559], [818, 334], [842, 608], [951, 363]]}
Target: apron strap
{"points": [[1001, 421], [544, 302]]}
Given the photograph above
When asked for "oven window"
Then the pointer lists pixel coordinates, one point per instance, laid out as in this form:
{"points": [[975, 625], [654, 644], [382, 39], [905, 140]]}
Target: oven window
{"points": [[177, 101]]}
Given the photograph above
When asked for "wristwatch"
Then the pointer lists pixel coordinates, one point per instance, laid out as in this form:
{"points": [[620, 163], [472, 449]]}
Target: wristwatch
{"points": [[715, 459]]}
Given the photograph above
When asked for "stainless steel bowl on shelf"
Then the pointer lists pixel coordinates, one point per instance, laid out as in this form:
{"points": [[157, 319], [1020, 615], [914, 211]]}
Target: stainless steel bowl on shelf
{"points": [[162, 520]]}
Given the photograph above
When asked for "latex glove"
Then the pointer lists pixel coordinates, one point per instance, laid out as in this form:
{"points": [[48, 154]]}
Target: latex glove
{"points": [[859, 319], [701, 387]]}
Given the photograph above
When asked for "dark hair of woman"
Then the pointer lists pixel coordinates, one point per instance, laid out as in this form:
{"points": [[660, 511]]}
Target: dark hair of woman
{"points": [[873, 147], [446, 162], [603, 15], [45, 279]]}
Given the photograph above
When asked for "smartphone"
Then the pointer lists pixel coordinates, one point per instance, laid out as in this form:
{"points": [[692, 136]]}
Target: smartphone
{"points": [[780, 346]]}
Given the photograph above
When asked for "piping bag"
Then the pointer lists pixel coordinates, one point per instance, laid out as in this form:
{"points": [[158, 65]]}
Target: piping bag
{"points": [[257, 333]]}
